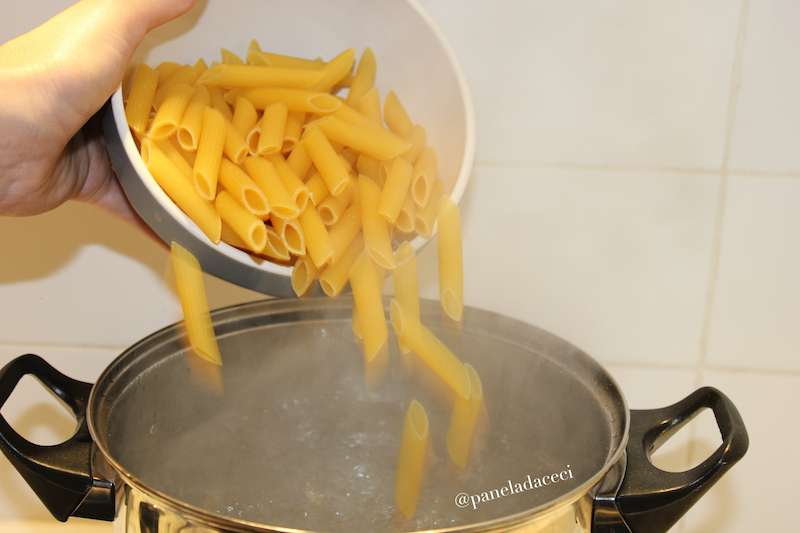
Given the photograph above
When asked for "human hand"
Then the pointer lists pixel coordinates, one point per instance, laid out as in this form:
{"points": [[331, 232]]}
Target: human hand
{"points": [[53, 81]]}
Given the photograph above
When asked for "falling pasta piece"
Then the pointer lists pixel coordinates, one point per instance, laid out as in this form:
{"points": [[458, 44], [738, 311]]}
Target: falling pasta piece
{"points": [[412, 455], [462, 422]]}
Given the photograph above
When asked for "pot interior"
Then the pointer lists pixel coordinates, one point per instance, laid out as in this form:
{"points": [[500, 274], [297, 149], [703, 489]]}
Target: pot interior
{"points": [[295, 431]]}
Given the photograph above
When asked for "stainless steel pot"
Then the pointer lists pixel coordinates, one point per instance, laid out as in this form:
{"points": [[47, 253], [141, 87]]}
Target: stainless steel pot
{"points": [[296, 433]]}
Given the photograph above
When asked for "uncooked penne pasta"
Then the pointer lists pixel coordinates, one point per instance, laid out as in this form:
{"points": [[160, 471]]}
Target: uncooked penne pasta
{"points": [[191, 125], [174, 155], [294, 185], [303, 275], [425, 173], [406, 285], [293, 131], [192, 294], [182, 192], [451, 262], [166, 69], [411, 460], [185, 75], [332, 207], [364, 78], [218, 101], [243, 189], [373, 141], [290, 233], [245, 115], [365, 278], [140, 98], [395, 115], [345, 231], [281, 203], [200, 66], [235, 145], [244, 223], [229, 58], [426, 216], [462, 421], [407, 218], [317, 190], [334, 70], [209, 153], [436, 355], [369, 166], [299, 160], [395, 189], [418, 138], [335, 276], [325, 159], [302, 100], [376, 232], [275, 248], [258, 76], [273, 127], [268, 59], [370, 106], [318, 242]]}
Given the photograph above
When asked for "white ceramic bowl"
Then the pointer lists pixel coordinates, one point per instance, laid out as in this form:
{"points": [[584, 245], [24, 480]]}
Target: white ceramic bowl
{"points": [[414, 60]]}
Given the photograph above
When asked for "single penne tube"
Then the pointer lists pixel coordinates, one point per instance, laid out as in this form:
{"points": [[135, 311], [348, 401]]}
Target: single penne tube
{"points": [[345, 231], [273, 126], [299, 160], [174, 155], [426, 216], [188, 157], [253, 136], [410, 462], [332, 207], [293, 131], [209, 153], [370, 106], [462, 421], [365, 278], [335, 70], [275, 248], [325, 159], [303, 275], [349, 155], [430, 349], [375, 142], [318, 242], [364, 78], [376, 232], [281, 203], [395, 189], [218, 101], [229, 58], [425, 173], [192, 294], [451, 261], [355, 324], [258, 76], [181, 191], [140, 98], [200, 66], [406, 284], [268, 59], [191, 125], [245, 115], [243, 189], [418, 138], [294, 185], [244, 223], [291, 234], [185, 75], [301, 100], [407, 218], [335, 276], [395, 115], [168, 116], [369, 166], [229, 236], [317, 190], [235, 145], [166, 69]]}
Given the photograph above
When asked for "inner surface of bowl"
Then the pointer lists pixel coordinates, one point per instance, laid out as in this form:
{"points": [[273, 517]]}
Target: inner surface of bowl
{"points": [[295, 431], [413, 59]]}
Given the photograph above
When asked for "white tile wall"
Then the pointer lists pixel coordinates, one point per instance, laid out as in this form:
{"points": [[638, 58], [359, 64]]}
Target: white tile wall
{"points": [[644, 156]]}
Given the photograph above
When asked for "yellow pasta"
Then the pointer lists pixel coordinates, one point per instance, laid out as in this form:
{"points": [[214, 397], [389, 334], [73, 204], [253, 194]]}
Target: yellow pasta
{"points": [[174, 155], [140, 98], [290, 233], [200, 66], [371, 140], [418, 138], [244, 223], [325, 159], [406, 285], [275, 248], [303, 275], [370, 106], [332, 207], [229, 58], [407, 218], [462, 421], [293, 131], [294, 185], [426, 216], [425, 173], [369, 166], [395, 115], [258, 76], [376, 232], [267, 59], [218, 101], [411, 460], [191, 125], [243, 189], [395, 189], [181, 191], [245, 115], [318, 242], [436, 355], [166, 69], [184, 75], [273, 126], [235, 145], [335, 276], [345, 231], [281, 203], [317, 190], [209, 153], [335, 70], [299, 160], [451, 268], [192, 294], [365, 278], [364, 78], [302, 100]]}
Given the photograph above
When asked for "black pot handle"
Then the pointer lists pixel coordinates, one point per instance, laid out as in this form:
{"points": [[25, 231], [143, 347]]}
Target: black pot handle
{"points": [[60, 475], [651, 500]]}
